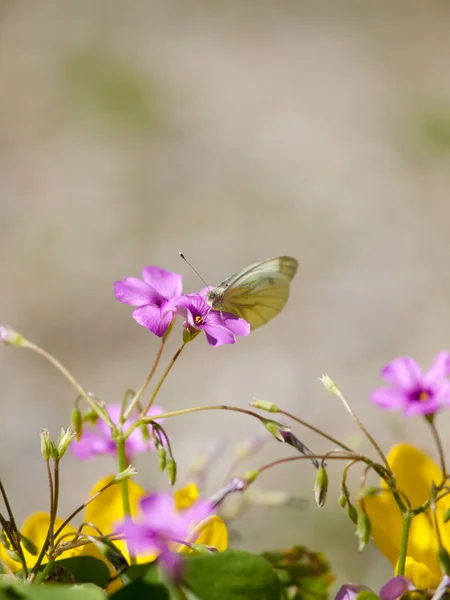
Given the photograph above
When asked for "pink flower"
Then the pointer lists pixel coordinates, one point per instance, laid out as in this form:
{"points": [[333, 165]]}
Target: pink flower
{"points": [[156, 297], [98, 441], [413, 391], [220, 328], [160, 524]]}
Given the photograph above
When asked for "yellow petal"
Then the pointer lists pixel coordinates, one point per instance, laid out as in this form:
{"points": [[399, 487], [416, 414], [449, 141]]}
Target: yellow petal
{"points": [[186, 496], [415, 472], [212, 531], [36, 528], [420, 575], [107, 509]]}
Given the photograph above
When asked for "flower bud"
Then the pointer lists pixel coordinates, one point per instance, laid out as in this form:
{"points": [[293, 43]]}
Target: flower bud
{"points": [[276, 429], [363, 529], [189, 334], [342, 501], [12, 338], [172, 471], [77, 422], [329, 384], [130, 471], [352, 513], [48, 448], [65, 437], [447, 515], [264, 405], [321, 486], [162, 458], [29, 545]]}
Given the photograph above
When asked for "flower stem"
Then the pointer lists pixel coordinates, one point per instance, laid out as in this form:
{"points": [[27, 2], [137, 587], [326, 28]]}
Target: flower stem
{"points": [[68, 375], [186, 411], [437, 441], [122, 460], [144, 386], [407, 518], [338, 393], [163, 378], [318, 431], [45, 571]]}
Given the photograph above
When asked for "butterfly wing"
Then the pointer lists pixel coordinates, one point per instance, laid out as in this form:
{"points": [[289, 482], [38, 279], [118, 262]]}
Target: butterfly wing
{"points": [[258, 292]]}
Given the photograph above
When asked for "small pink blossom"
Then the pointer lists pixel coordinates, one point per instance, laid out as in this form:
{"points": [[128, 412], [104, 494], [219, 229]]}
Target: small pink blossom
{"points": [[220, 328], [160, 524], [156, 296], [413, 391], [97, 440]]}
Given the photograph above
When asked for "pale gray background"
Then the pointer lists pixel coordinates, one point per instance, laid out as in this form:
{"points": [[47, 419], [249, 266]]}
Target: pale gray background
{"points": [[234, 132]]}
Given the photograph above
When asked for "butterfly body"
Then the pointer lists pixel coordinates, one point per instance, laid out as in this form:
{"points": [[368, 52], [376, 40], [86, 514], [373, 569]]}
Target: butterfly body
{"points": [[258, 293]]}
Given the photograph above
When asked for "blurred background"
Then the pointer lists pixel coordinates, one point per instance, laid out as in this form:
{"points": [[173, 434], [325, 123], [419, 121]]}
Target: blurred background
{"points": [[234, 132]]}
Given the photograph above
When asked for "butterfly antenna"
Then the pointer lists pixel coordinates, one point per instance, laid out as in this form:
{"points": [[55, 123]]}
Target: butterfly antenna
{"points": [[194, 269]]}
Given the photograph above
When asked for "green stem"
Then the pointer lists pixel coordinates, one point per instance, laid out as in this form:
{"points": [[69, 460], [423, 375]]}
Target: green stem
{"points": [[318, 431], [135, 401], [163, 378], [68, 375], [407, 518], [364, 430], [437, 441], [122, 460], [186, 411], [45, 571]]}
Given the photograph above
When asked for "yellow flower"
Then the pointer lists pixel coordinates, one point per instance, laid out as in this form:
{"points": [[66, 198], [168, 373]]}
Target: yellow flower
{"points": [[415, 472], [104, 512]]}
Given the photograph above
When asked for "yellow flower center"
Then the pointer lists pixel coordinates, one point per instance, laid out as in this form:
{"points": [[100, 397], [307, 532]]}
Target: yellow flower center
{"points": [[198, 320]]}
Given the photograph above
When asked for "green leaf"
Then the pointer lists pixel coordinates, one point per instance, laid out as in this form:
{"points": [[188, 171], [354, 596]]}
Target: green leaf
{"points": [[232, 574], [19, 591], [305, 574], [367, 595], [142, 582], [82, 569]]}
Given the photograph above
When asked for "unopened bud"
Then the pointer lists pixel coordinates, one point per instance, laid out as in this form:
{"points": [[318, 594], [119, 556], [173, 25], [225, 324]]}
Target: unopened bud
{"points": [[277, 429], [162, 458], [202, 548], [189, 333], [130, 471], [363, 530], [12, 338], [77, 422], [342, 501], [446, 516], [48, 448], [172, 471], [352, 513], [264, 405], [329, 384], [321, 486], [65, 437], [29, 545], [250, 476]]}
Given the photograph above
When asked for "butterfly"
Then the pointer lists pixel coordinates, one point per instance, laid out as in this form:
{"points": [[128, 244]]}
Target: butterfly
{"points": [[258, 292]]}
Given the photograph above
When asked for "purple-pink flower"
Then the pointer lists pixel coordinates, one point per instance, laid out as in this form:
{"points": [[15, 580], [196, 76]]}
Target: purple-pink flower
{"points": [[98, 441], [413, 391], [392, 590], [220, 328], [160, 524], [156, 297]]}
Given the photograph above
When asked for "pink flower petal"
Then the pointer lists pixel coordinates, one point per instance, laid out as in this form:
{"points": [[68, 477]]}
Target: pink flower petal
{"points": [[135, 292], [151, 318], [403, 372], [439, 370], [388, 398], [166, 283]]}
